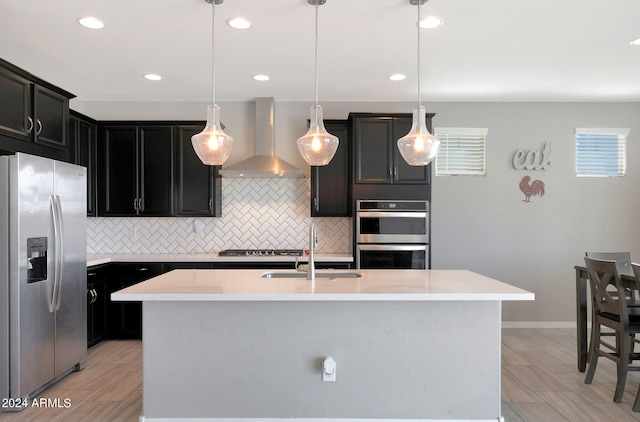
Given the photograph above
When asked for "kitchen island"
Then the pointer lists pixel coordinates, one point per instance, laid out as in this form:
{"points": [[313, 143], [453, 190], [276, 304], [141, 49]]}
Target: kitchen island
{"points": [[413, 344]]}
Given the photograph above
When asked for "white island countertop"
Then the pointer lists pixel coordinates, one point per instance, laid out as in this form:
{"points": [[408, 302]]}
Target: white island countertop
{"points": [[374, 285]]}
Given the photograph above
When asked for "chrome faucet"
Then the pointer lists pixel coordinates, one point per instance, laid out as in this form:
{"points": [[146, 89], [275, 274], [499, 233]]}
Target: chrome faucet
{"points": [[313, 242], [310, 267]]}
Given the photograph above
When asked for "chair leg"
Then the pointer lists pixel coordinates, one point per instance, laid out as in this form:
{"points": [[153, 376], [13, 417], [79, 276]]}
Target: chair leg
{"points": [[593, 361], [636, 404], [623, 365]]}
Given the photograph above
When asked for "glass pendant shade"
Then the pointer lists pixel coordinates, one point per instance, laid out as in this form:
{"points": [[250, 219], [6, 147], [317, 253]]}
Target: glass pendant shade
{"points": [[212, 145], [318, 146], [418, 147]]}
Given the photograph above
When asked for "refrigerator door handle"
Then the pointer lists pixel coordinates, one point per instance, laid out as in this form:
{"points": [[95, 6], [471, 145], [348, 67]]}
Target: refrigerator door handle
{"points": [[56, 297]]}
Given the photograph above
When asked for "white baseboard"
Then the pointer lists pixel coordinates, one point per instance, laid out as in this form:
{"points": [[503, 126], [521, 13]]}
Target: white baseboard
{"points": [[538, 324]]}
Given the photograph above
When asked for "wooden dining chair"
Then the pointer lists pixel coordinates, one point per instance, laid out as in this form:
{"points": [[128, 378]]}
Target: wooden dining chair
{"points": [[611, 311], [623, 262]]}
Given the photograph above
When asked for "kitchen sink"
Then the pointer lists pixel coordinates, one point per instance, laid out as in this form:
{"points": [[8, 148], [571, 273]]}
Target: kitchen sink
{"points": [[319, 274]]}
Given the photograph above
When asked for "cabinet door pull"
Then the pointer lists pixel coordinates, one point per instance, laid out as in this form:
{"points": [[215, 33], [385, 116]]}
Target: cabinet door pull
{"points": [[315, 204], [210, 205], [395, 173], [142, 269], [135, 204], [39, 127], [30, 124], [95, 295], [390, 172], [140, 204], [91, 274]]}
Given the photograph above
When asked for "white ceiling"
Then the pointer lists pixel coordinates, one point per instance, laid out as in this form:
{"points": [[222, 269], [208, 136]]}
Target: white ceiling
{"points": [[486, 50]]}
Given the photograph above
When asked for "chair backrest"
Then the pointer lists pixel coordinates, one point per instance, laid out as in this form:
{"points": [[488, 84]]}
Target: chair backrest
{"points": [[636, 271], [603, 273], [623, 259]]}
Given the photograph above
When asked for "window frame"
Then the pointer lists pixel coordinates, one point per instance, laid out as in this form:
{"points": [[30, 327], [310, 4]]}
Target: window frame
{"points": [[586, 140], [449, 134]]}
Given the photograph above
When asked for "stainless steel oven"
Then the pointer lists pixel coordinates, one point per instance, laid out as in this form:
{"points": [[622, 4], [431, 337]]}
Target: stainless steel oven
{"points": [[406, 257], [392, 234]]}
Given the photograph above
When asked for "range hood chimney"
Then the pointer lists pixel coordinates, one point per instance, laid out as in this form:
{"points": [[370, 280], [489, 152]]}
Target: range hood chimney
{"points": [[264, 163]]}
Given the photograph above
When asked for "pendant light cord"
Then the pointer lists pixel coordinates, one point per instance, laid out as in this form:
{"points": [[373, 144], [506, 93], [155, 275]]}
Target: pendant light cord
{"points": [[213, 53], [316, 53], [419, 93]]}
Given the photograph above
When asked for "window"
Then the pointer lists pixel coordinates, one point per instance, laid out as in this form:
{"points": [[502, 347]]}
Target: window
{"points": [[601, 152], [462, 151]]}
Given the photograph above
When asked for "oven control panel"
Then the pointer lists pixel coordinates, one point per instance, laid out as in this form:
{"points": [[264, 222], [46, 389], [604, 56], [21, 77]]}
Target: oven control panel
{"points": [[372, 205]]}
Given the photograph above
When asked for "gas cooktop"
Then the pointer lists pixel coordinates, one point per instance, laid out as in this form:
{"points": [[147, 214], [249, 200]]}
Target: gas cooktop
{"points": [[260, 252]]}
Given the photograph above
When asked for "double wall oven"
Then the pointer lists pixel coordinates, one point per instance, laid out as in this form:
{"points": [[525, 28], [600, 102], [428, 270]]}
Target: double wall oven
{"points": [[392, 234]]}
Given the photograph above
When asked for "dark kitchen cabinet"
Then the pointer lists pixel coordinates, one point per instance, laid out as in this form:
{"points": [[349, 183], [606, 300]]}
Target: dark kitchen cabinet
{"points": [[331, 184], [82, 140], [136, 176], [15, 105], [51, 114], [377, 159], [125, 318], [198, 186], [33, 114], [97, 299]]}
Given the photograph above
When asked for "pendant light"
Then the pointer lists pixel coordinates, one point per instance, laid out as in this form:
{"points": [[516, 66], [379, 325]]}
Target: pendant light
{"points": [[212, 145], [418, 147], [318, 146]]}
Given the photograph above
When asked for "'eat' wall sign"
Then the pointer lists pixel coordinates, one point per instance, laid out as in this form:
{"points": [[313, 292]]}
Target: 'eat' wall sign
{"points": [[534, 159]]}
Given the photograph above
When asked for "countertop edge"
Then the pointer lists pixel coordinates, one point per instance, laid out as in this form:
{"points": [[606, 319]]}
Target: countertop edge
{"points": [[321, 297]]}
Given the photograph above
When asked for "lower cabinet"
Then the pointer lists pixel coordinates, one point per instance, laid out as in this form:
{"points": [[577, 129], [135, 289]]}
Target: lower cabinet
{"points": [[97, 298], [125, 318]]}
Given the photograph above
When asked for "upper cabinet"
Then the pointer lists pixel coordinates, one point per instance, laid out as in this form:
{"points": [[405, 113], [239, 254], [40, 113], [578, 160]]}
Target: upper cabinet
{"points": [[198, 186], [377, 159], [34, 112], [151, 169], [82, 140], [136, 176], [50, 116], [330, 184]]}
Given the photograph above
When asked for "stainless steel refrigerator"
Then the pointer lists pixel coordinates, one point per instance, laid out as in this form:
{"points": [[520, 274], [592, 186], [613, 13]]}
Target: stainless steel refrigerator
{"points": [[43, 316]]}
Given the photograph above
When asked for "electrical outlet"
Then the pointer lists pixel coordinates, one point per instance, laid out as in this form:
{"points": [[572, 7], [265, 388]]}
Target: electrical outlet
{"points": [[329, 369], [198, 228]]}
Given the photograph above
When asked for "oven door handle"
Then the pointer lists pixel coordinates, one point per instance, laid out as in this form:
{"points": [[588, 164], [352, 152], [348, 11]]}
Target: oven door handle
{"points": [[391, 247], [391, 214]]}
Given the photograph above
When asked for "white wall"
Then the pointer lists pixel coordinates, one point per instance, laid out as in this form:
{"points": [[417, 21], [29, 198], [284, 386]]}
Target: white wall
{"points": [[481, 223]]}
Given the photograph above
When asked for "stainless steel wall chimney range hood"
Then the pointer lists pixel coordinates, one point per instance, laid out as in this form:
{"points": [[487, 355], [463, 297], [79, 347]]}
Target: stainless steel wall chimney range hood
{"points": [[264, 163]]}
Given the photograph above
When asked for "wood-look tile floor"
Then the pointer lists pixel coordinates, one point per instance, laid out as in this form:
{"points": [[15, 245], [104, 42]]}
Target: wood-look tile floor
{"points": [[540, 382]]}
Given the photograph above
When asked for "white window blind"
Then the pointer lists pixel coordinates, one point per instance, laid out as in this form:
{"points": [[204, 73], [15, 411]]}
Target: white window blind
{"points": [[601, 152], [462, 151]]}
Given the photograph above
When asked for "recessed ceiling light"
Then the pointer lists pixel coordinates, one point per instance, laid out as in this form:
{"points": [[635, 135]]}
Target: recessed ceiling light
{"points": [[635, 42], [239, 23], [397, 77], [261, 78], [91, 22], [153, 77], [430, 22]]}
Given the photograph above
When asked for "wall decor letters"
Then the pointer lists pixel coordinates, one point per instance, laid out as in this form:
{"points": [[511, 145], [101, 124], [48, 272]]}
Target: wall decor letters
{"points": [[534, 159]]}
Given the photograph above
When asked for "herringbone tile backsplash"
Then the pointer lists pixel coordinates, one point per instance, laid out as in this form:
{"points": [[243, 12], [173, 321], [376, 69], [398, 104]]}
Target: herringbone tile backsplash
{"points": [[256, 213]]}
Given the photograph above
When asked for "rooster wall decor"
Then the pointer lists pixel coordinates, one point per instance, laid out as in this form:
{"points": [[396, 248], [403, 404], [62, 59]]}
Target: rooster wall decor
{"points": [[536, 188]]}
